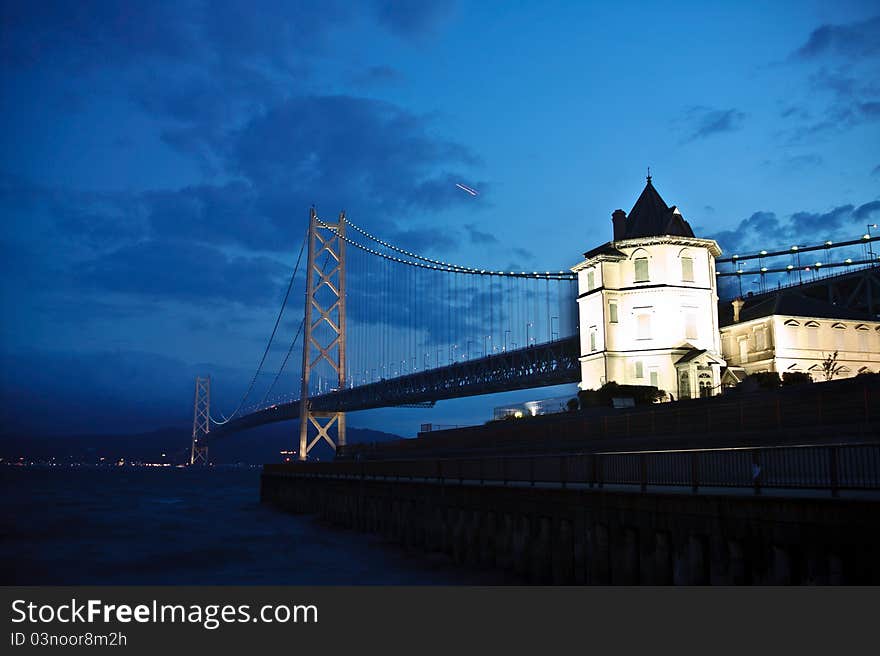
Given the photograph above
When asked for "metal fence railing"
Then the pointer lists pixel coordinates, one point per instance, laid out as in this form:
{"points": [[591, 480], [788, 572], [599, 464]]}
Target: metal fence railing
{"points": [[824, 467]]}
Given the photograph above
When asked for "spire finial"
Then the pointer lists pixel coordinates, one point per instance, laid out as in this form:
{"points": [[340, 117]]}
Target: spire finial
{"points": [[649, 175]]}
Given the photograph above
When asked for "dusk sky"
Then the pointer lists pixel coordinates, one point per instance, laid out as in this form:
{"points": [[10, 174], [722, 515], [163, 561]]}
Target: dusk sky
{"points": [[159, 160]]}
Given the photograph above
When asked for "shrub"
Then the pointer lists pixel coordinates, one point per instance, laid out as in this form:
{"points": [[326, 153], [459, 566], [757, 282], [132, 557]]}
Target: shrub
{"points": [[796, 378]]}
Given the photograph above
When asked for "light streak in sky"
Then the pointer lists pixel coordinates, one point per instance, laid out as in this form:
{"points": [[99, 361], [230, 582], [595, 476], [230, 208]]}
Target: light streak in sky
{"points": [[472, 192]]}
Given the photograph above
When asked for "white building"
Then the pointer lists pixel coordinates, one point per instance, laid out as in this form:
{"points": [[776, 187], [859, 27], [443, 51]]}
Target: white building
{"points": [[649, 315], [648, 304], [789, 332]]}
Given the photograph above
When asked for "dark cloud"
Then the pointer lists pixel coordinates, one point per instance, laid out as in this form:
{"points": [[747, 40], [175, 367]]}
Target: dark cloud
{"points": [[82, 35], [764, 230], [867, 211], [854, 40], [876, 170], [413, 18], [702, 122], [173, 270], [218, 214], [101, 33], [479, 236], [844, 91], [368, 154], [523, 254]]}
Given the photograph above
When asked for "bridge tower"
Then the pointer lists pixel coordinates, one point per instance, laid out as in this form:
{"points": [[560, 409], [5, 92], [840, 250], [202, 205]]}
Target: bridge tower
{"points": [[324, 326], [201, 421]]}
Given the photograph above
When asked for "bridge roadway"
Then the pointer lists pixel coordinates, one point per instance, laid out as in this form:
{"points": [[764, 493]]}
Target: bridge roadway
{"points": [[542, 365]]}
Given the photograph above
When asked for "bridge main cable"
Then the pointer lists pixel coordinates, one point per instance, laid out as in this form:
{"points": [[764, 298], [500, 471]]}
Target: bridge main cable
{"points": [[438, 265]]}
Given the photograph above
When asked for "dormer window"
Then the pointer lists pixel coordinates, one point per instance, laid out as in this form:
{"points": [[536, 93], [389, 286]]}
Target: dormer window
{"points": [[641, 269]]}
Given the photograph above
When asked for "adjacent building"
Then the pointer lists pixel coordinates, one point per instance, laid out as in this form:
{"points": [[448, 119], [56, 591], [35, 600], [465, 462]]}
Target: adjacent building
{"points": [[790, 332]]}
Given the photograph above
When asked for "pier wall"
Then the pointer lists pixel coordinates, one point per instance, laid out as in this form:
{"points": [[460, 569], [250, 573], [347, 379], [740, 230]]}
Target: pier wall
{"points": [[553, 535]]}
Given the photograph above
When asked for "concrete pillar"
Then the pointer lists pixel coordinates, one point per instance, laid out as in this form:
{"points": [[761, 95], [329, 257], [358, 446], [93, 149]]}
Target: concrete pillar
{"points": [[626, 558], [780, 566], [540, 553], [504, 543], [737, 571], [488, 534], [563, 553], [599, 555], [521, 546]]}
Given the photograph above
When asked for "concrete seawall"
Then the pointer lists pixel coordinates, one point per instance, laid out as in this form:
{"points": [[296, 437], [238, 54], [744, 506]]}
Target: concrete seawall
{"points": [[591, 536]]}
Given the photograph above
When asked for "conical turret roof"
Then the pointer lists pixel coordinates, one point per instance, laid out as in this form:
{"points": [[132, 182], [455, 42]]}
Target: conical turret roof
{"points": [[652, 217]]}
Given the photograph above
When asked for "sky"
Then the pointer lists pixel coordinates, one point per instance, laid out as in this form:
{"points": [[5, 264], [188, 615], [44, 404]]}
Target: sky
{"points": [[159, 160]]}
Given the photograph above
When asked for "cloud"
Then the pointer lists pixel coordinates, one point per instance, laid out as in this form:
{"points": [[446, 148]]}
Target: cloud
{"points": [[412, 18], [704, 122], [172, 270], [876, 170], [851, 41], [765, 230], [843, 77], [359, 152], [867, 211], [480, 237], [523, 254]]}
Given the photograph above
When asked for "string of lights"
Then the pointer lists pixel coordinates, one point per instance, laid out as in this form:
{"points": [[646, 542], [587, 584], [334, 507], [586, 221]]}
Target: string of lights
{"points": [[451, 268]]}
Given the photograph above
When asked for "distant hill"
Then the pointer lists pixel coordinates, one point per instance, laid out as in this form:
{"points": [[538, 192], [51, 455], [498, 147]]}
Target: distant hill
{"points": [[255, 446]]}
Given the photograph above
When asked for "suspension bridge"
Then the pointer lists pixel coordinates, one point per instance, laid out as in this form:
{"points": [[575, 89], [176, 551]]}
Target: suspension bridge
{"points": [[383, 326]]}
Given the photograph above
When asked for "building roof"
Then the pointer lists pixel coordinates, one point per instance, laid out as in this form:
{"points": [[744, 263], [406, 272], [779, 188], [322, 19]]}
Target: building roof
{"points": [[605, 249], [652, 217], [786, 303], [690, 355]]}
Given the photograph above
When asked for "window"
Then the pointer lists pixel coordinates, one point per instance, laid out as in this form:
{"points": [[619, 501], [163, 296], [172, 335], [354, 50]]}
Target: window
{"points": [[744, 349], [704, 381], [760, 339], [690, 323], [641, 264], [644, 326], [684, 384], [592, 338], [655, 378], [863, 339], [612, 311], [591, 280], [687, 268], [640, 369]]}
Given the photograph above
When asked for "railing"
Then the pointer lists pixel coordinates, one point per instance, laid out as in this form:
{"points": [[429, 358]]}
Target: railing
{"points": [[829, 468]]}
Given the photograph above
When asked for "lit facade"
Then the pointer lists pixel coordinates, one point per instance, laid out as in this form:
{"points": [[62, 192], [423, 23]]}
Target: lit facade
{"points": [[648, 304], [801, 341], [648, 314]]}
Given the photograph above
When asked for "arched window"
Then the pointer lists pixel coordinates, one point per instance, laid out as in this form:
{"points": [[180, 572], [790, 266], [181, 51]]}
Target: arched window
{"points": [[640, 266]]}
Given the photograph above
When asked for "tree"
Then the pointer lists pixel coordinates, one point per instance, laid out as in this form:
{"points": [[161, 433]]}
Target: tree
{"points": [[573, 405], [830, 368]]}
